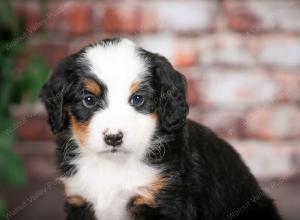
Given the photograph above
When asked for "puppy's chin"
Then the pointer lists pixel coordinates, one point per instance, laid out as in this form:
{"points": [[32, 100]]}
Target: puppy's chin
{"points": [[108, 151], [112, 150]]}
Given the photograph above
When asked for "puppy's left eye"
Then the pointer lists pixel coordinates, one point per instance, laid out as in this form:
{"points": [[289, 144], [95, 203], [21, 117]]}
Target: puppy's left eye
{"points": [[89, 101], [137, 100]]}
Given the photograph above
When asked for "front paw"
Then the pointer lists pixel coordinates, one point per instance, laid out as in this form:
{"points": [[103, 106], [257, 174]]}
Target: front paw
{"points": [[144, 209], [75, 200]]}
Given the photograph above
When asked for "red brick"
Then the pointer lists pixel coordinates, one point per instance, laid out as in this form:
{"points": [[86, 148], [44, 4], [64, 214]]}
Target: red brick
{"points": [[240, 18], [273, 122], [163, 44], [278, 50], [238, 88], [185, 57], [192, 93], [226, 49], [184, 17], [254, 16], [51, 52], [54, 17], [289, 85], [79, 43], [149, 22], [117, 19], [30, 13], [224, 122], [272, 50], [78, 18], [247, 50]]}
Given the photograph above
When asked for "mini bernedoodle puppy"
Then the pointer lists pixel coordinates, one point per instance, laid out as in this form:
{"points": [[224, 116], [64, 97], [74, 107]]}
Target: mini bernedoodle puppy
{"points": [[126, 150]]}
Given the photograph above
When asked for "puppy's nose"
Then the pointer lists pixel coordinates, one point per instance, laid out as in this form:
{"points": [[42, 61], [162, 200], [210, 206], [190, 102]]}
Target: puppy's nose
{"points": [[113, 139]]}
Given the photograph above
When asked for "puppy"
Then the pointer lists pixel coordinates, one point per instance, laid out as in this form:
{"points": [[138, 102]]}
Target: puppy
{"points": [[126, 150]]}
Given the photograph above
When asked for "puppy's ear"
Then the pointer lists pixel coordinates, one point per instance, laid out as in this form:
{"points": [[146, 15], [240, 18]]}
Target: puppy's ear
{"points": [[172, 106], [53, 95]]}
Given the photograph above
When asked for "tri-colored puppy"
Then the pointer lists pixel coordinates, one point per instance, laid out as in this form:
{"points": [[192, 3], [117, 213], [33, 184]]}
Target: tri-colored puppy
{"points": [[126, 150]]}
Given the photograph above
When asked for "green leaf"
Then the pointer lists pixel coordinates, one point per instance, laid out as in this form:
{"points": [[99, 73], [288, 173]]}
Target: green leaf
{"points": [[29, 85], [5, 125], [6, 89], [6, 138], [9, 18]]}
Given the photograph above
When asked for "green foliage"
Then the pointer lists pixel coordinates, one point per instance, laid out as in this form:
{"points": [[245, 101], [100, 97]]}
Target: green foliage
{"points": [[2, 209], [16, 87], [28, 87]]}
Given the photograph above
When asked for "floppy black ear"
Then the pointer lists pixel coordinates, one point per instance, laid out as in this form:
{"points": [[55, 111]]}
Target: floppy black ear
{"points": [[172, 105], [53, 95]]}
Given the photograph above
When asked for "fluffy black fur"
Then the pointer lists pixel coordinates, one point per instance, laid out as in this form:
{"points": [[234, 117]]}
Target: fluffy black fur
{"points": [[209, 179]]}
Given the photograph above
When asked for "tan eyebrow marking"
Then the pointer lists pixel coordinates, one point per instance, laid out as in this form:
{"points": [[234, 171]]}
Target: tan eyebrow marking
{"points": [[92, 86], [134, 87]]}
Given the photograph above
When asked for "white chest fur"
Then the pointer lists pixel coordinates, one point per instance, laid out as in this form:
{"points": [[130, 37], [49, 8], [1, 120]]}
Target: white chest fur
{"points": [[109, 183]]}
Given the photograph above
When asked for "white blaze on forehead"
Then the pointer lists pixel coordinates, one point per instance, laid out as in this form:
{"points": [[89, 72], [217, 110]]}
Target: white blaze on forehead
{"points": [[117, 65]]}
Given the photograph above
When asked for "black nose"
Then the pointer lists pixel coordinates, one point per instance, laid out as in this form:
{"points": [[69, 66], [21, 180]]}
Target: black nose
{"points": [[113, 139]]}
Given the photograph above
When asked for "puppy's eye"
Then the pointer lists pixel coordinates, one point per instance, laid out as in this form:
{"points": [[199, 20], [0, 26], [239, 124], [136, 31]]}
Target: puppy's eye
{"points": [[137, 100], [89, 101]]}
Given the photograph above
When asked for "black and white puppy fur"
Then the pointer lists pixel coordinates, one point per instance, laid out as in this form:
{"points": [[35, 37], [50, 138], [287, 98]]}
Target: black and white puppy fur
{"points": [[126, 150]]}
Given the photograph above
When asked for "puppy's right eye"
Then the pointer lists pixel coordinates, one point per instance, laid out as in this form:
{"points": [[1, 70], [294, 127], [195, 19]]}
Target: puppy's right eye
{"points": [[137, 100], [89, 101]]}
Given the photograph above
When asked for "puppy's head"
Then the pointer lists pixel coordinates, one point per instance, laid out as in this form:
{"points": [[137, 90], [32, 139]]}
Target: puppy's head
{"points": [[115, 97]]}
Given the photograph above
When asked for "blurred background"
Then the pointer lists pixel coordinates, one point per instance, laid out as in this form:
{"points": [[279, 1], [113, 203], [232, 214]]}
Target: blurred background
{"points": [[241, 59]]}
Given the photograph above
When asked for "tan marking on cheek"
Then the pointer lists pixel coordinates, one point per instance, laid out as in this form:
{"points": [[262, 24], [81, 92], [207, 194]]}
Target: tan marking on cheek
{"points": [[154, 116], [134, 87], [149, 193], [92, 86], [79, 129]]}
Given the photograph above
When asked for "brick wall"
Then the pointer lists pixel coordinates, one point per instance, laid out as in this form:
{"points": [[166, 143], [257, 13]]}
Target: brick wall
{"points": [[241, 59]]}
